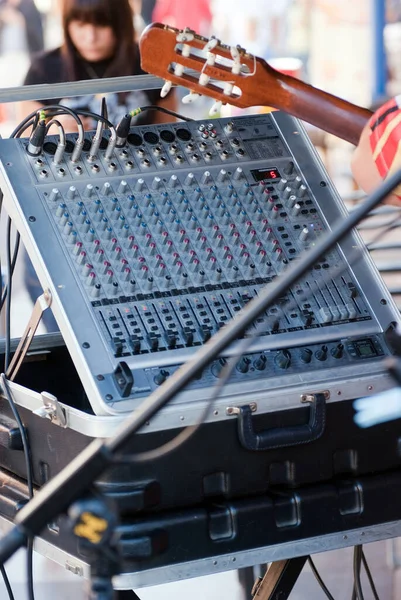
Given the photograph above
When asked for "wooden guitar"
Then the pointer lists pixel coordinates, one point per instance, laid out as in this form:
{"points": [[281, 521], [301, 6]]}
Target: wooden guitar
{"points": [[231, 75]]}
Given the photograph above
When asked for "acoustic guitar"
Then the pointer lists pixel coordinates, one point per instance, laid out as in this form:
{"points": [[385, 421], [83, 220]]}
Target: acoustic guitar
{"points": [[231, 75]]}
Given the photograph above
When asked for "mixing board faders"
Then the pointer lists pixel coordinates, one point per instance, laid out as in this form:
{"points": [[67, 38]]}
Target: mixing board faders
{"points": [[149, 253]]}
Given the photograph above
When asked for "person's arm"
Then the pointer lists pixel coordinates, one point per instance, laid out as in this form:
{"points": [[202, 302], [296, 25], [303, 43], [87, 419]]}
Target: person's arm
{"points": [[378, 153], [169, 102]]}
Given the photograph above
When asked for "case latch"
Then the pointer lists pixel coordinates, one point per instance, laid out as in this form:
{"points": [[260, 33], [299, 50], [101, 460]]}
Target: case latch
{"points": [[52, 410]]}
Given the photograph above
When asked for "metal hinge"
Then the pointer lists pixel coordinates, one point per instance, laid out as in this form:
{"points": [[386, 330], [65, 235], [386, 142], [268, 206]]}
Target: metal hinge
{"points": [[52, 410]]}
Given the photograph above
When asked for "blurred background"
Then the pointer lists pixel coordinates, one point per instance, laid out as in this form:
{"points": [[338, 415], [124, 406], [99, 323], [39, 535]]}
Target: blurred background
{"points": [[350, 48]]}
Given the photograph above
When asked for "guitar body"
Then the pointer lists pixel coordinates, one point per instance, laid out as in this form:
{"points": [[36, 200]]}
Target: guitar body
{"points": [[230, 75]]}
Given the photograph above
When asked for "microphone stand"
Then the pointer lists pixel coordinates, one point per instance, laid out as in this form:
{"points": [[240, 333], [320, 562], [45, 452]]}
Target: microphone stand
{"points": [[74, 480]]}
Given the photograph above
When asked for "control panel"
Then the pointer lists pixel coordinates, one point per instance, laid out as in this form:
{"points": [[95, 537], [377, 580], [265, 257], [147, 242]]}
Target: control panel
{"points": [[149, 252]]}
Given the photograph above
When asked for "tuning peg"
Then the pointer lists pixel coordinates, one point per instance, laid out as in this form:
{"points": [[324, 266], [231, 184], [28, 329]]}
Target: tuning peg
{"points": [[211, 58], [235, 53], [211, 44], [185, 36], [165, 89], [228, 87], [190, 98], [216, 108], [204, 79], [179, 70]]}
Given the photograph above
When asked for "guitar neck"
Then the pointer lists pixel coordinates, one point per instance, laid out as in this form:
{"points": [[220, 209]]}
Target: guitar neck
{"points": [[336, 116], [264, 87]]}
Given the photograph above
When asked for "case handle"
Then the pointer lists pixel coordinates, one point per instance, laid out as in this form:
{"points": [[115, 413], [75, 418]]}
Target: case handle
{"points": [[286, 436]]}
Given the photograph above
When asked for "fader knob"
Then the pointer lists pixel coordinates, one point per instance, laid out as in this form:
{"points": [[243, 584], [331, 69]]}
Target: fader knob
{"points": [[134, 343], [283, 359], [187, 336], [204, 333]]}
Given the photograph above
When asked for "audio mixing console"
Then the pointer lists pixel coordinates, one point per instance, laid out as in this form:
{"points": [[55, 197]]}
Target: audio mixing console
{"points": [[148, 253]]}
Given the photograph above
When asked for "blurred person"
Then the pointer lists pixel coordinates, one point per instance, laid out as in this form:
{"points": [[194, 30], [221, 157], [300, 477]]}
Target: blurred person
{"points": [[378, 153], [195, 14], [99, 42], [26, 13]]}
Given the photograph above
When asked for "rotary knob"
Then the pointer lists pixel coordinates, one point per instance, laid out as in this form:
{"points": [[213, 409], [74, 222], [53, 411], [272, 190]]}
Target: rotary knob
{"points": [[289, 168], [238, 174], [282, 184], [218, 366], [322, 353], [156, 183], [338, 351], [161, 377], [206, 177], [305, 355], [71, 193], [260, 363], [283, 359], [243, 365]]}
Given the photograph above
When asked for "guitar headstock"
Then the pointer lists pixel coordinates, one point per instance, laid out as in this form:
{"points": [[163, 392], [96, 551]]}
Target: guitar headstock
{"points": [[228, 74]]}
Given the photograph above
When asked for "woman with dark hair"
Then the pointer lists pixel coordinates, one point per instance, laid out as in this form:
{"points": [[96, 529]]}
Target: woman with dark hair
{"points": [[99, 41]]}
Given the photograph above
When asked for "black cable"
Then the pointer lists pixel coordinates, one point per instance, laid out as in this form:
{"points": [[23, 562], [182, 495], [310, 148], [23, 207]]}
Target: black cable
{"points": [[29, 568], [319, 579], [7, 351], [85, 113], [369, 576], [29, 474], [13, 263], [167, 111], [6, 582], [59, 107], [33, 119], [357, 573]]}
